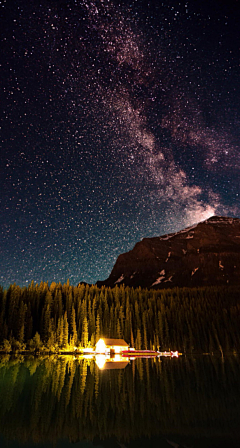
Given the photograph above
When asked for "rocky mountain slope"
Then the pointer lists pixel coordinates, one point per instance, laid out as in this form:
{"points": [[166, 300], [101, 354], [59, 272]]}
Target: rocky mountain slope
{"points": [[205, 254]]}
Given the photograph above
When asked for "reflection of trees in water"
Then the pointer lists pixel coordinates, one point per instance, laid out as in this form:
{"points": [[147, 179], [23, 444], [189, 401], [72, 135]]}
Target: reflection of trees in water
{"points": [[54, 398]]}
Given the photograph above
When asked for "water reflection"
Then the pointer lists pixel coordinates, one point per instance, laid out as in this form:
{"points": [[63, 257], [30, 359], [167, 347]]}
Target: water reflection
{"points": [[191, 400], [111, 362]]}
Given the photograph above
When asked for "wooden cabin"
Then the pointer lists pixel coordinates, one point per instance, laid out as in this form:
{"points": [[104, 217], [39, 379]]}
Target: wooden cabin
{"points": [[112, 346]]}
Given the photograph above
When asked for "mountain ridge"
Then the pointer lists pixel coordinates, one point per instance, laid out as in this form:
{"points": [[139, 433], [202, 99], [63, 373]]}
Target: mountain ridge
{"points": [[204, 254]]}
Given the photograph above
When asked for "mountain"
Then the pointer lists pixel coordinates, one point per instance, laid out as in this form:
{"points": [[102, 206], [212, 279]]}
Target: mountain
{"points": [[205, 254]]}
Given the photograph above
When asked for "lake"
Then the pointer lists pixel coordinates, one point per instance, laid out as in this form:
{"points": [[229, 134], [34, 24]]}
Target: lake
{"points": [[161, 402]]}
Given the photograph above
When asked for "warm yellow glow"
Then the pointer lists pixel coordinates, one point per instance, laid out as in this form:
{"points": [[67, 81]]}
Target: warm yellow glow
{"points": [[88, 350], [117, 349], [100, 346], [88, 356], [100, 361]]}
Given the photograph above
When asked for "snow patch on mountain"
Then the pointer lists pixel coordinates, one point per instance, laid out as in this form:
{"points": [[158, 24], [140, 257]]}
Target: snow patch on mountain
{"points": [[159, 279], [120, 279], [168, 279], [219, 220], [169, 255], [220, 265], [171, 235]]}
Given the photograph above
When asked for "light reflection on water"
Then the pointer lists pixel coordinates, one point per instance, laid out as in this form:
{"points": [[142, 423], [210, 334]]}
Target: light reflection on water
{"points": [[118, 402]]}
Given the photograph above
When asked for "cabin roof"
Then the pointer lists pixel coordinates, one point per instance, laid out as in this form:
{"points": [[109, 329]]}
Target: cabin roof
{"points": [[117, 342]]}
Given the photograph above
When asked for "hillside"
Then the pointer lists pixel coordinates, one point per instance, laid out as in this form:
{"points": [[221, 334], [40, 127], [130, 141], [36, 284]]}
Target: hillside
{"points": [[206, 254]]}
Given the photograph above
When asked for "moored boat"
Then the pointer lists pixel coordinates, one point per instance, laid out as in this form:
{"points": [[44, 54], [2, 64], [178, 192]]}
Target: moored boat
{"points": [[139, 353], [172, 354]]}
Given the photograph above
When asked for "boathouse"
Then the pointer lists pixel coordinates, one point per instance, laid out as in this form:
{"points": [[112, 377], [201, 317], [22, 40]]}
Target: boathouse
{"points": [[112, 346]]}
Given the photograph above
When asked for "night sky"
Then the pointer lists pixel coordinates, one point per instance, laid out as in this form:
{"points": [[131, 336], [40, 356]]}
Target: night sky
{"points": [[119, 121]]}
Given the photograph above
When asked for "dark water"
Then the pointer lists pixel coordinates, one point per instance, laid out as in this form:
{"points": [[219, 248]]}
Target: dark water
{"points": [[160, 403]]}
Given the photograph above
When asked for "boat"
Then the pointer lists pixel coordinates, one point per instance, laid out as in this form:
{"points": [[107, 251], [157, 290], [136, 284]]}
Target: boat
{"points": [[145, 353], [172, 354]]}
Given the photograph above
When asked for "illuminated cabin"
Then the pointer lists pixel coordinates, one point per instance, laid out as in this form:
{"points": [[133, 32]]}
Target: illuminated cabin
{"points": [[112, 346]]}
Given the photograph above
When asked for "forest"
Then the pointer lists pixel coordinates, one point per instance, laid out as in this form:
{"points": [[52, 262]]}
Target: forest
{"points": [[61, 317]]}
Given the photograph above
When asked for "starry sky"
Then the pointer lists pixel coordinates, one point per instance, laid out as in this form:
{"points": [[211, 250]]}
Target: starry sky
{"points": [[119, 120]]}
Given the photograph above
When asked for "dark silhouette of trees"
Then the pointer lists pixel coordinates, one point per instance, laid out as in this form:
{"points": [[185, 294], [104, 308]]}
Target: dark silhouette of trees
{"points": [[65, 316]]}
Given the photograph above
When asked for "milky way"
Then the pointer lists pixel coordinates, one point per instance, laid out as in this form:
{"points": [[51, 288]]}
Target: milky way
{"points": [[120, 120]]}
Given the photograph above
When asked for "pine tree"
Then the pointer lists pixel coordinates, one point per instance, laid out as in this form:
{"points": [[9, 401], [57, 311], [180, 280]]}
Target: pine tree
{"points": [[73, 328], [138, 341], [60, 332], [98, 328], [46, 323], [84, 338], [118, 329], [65, 330], [21, 322]]}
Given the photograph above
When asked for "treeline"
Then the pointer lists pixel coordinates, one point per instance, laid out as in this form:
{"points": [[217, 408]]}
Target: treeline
{"points": [[61, 317]]}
